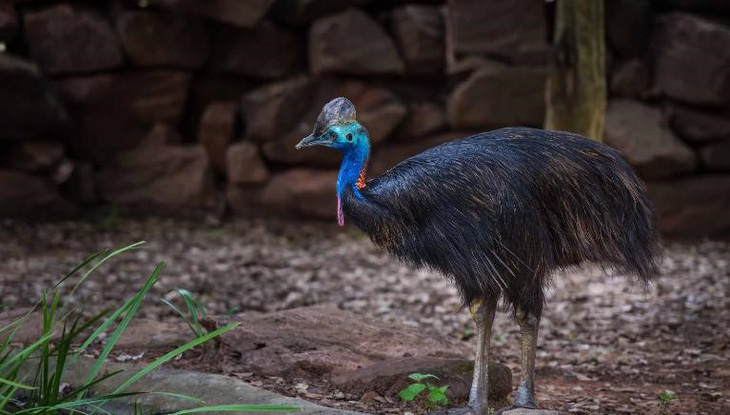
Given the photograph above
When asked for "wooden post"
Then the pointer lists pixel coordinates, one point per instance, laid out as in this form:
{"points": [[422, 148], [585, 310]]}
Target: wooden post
{"points": [[576, 86]]}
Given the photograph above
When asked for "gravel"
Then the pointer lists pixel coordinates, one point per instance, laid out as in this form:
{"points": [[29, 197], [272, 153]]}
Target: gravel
{"points": [[245, 265], [600, 331]]}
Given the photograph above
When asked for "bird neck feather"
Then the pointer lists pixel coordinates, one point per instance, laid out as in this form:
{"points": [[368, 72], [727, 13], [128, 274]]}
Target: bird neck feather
{"points": [[352, 172]]}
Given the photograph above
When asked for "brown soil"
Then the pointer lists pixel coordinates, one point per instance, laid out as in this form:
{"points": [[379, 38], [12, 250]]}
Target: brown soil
{"points": [[606, 345]]}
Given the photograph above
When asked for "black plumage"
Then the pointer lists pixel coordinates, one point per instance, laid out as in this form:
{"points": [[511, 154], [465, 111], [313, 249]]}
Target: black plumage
{"points": [[500, 211]]}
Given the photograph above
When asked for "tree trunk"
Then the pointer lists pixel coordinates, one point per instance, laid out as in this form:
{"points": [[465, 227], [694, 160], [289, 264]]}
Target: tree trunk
{"points": [[576, 86]]}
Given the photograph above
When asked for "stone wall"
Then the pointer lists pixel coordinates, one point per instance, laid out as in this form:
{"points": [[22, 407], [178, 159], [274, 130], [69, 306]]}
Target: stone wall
{"points": [[177, 105]]}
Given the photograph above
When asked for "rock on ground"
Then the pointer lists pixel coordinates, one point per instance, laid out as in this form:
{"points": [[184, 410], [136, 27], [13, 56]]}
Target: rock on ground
{"points": [[163, 39], [716, 156], [628, 26], [698, 126], [146, 335], [419, 31], [266, 52], [273, 109], [303, 12], [245, 165], [65, 39], [31, 197], [525, 411], [233, 12], [158, 176], [693, 206], [30, 109], [323, 339], [390, 376], [359, 355], [499, 96], [217, 130], [333, 47], [645, 141], [34, 156], [423, 119], [706, 6], [630, 79], [301, 192], [692, 61], [517, 34], [115, 111], [142, 334], [206, 89], [81, 184]]}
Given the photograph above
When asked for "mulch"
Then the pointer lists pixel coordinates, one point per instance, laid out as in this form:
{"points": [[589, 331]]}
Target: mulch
{"points": [[606, 345]]}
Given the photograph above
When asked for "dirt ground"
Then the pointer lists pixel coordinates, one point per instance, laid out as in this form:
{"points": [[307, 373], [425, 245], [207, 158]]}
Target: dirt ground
{"points": [[606, 346]]}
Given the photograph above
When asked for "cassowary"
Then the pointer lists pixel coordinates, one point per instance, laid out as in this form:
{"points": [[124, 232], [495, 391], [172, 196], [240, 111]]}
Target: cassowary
{"points": [[498, 212]]}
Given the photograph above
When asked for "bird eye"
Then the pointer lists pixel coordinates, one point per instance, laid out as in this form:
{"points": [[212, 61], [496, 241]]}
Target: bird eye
{"points": [[348, 136]]}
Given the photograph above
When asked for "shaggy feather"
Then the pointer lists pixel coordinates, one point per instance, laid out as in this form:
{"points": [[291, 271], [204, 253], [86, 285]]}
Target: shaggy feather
{"points": [[499, 212]]}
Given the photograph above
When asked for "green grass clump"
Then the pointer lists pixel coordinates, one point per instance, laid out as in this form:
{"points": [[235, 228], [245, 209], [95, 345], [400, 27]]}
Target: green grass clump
{"points": [[64, 337], [196, 311]]}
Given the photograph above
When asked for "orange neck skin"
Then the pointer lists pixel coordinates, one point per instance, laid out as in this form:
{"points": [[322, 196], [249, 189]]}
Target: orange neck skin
{"points": [[361, 180]]}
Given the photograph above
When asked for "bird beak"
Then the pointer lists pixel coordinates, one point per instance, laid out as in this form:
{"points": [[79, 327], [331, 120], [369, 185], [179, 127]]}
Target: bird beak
{"points": [[312, 140]]}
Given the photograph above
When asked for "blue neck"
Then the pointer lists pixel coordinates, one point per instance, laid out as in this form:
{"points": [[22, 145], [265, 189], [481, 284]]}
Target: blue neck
{"points": [[353, 161]]}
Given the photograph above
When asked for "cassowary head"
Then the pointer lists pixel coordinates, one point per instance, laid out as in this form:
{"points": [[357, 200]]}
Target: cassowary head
{"points": [[336, 127]]}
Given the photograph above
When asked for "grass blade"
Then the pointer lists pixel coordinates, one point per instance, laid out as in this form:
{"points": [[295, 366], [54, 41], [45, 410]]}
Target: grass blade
{"points": [[181, 314], [195, 310], [16, 385], [187, 346], [25, 353], [79, 267], [70, 405], [104, 326], [114, 338], [6, 398], [193, 306], [102, 261], [15, 323]]}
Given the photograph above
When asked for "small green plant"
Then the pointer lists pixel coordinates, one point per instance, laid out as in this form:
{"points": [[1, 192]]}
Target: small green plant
{"points": [[665, 399], [436, 396], [467, 333], [196, 311]]}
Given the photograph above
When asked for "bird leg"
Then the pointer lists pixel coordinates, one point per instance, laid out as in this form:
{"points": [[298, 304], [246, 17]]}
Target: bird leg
{"points": [[482, 311], [529, 324]]}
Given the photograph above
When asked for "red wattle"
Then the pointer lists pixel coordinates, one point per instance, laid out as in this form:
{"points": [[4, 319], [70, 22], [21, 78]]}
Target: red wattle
{"points": [[340, 215]]}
